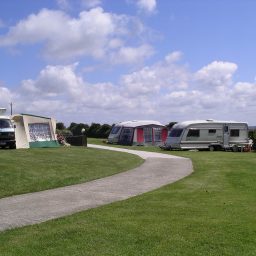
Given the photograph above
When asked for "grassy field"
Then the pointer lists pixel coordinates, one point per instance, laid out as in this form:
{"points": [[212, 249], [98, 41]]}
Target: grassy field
{"points": [[23, 171], [211, 212], [102, 142]]}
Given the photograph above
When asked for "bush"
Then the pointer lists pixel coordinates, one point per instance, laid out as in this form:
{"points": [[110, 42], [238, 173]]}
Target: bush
{"points": [[252, 135], [95, 130], [64, 132], [76, 129]]}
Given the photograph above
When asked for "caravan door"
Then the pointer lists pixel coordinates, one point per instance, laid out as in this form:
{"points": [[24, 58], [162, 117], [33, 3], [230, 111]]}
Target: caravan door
{"points": [[226, 136]]}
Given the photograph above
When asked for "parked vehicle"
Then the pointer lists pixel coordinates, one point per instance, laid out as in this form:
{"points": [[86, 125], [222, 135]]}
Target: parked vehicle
{"points": [[142, 132], [208, 134], [7, 134]]}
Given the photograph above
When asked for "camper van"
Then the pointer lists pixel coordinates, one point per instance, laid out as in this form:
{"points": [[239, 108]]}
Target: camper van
{"points": [[7, 135], [208, 134]]}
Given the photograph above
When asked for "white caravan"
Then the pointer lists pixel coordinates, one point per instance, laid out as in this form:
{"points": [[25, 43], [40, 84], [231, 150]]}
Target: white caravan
{"points": [[208, 134]]}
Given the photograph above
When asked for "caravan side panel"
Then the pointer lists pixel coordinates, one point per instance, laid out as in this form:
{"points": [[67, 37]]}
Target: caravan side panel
{"points": [[238, 133], [201, 135]]}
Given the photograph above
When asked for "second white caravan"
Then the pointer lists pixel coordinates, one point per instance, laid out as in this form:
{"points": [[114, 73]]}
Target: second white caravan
{"points": [[208, 134]]}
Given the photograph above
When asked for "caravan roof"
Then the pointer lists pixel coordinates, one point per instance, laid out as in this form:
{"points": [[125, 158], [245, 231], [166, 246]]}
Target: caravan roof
{"points": [[208, 121], [137, 123]]}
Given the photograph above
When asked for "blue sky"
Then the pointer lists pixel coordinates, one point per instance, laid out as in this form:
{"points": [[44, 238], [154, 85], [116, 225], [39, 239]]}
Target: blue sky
{"points": [[108, 61]]}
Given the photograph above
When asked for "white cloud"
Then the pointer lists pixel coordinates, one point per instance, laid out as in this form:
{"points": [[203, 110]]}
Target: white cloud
{"points": [[244, 87], [55, 81], [164, 75], [93, 33], [245, 93], [140, 83], [216, 74], [173, 57], [148, 6], [115, 43], [62, 85], [6, 97], [165, 91], [130, 55]]}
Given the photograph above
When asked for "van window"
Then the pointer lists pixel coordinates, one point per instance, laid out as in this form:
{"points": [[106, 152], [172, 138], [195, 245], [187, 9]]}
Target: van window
{"points": [[175, 132], [193, 133], [5, 123], [234, 133]]}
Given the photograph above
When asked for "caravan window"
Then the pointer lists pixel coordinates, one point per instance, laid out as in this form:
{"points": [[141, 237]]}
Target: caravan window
{"points": [[212, 131], [126, 136], [148, 134], [157, 134], [234, 133], [175, 132], [39, 132], [193, 133], [115, 129]]}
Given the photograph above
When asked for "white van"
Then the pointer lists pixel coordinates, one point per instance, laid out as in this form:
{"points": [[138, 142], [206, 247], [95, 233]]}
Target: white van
{"points": [[7, 134], [208, 134]]}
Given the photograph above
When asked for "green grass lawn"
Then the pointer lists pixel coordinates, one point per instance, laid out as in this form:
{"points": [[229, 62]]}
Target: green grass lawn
{"points": [[211, 212], [23, 171], [102, 142]]}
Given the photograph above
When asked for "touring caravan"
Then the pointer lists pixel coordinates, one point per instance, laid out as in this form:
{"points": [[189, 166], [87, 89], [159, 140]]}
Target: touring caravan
{"points": [[142, 132], [208, 134]]}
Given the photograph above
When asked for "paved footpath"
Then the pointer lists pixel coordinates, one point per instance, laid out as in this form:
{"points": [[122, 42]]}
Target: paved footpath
{"points": [[157, 170]]}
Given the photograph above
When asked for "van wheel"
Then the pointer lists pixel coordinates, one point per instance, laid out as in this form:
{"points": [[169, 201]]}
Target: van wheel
{"points": [[13, 146], [211, 148]]}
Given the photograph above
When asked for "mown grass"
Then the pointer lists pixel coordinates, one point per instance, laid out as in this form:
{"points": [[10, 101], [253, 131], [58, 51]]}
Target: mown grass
{"points": [[211, 212], [23, 171]]}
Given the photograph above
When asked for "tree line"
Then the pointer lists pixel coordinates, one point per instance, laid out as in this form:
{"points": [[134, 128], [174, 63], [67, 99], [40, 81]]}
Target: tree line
{"points": [[95, 130]]}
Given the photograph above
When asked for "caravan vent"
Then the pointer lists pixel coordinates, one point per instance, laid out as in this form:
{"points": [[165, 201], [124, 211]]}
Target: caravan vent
{"points": [[209, 120]]}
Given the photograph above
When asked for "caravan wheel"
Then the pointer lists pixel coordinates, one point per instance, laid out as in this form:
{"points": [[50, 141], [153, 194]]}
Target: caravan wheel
{"points": [[211, 148], [235, 148]]}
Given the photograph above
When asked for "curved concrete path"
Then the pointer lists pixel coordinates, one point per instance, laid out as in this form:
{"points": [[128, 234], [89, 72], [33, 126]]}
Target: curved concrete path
{"points": [[157, 170]]}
